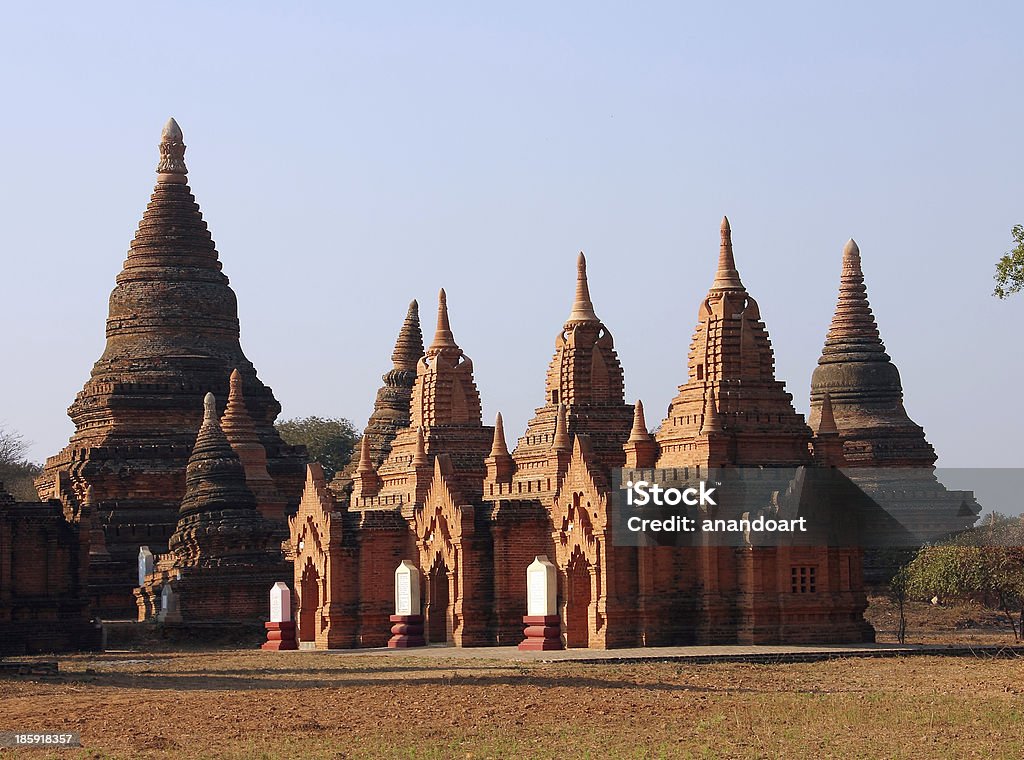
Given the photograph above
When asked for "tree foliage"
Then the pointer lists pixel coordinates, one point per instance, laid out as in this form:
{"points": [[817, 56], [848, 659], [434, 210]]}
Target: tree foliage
{"points": [[16, 472], [984, 564], [330, 441], [1010, 268]]}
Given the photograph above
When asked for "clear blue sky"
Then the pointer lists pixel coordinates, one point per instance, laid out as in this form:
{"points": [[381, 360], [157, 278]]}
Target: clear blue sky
{"points": [[351, 157]]}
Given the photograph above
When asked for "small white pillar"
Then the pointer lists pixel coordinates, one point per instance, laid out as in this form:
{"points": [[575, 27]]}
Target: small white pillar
{"points": [[280, 603], [146, 563], [407, 589], [541, 587]]}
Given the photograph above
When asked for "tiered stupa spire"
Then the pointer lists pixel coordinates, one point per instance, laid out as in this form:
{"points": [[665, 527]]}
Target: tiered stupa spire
{"points": [[443, 337], [409, 344], [727, 277], [862, 384], [582, 306], [853, 332]]}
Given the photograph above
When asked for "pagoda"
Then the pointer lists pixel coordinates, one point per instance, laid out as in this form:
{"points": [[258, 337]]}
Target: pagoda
{"points": [[863, 384], [856, 390], [172, 336], [223, 556]]}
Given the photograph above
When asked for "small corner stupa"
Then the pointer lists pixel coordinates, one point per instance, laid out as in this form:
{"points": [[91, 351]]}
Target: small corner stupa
{"points": [[223, 556]]}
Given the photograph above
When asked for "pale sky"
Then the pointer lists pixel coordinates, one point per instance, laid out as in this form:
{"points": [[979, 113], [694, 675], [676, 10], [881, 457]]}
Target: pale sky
{"points": [[349, 158]]}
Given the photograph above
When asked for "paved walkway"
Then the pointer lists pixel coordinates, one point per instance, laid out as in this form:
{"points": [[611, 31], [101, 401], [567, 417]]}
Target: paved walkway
{"points": [[692, 655]]}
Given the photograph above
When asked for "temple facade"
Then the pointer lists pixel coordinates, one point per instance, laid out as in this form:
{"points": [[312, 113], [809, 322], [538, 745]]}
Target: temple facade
{"points": [[452, 499], [176, 499], [172, 337]]}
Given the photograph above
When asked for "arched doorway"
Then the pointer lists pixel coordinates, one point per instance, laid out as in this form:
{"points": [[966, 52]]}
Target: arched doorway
{"points": [[309, 603], [577, 602], [438, 617]]}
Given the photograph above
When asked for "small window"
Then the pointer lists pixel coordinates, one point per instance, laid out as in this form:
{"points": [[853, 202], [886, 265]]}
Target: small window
{"points": [[700, 371], [803, 580], [554, 397]]}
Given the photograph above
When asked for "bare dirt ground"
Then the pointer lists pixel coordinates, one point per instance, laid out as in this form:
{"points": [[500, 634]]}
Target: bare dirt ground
{"points": [[252, 704]]}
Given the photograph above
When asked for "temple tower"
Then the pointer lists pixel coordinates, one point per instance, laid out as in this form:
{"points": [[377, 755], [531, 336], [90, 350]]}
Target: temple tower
{"points": [[172, 336], [585, 377], [864, 386], [732, 410], [445, 418]]}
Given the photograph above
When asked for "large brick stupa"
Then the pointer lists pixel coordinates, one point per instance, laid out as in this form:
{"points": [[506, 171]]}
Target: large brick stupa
{"points": [[172, 337]]}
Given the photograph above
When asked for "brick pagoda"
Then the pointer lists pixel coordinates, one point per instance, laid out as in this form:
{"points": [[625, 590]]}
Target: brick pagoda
{"points": [[857, 386], [224, 555], [172, 336]]}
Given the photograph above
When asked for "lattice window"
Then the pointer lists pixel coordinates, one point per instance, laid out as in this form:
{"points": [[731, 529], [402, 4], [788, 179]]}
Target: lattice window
{"points": [[803, 579]]}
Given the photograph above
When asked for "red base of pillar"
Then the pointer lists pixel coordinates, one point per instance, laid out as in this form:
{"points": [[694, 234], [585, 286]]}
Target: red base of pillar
{"points": [[406, 631], [280, 636], [543, 633]]}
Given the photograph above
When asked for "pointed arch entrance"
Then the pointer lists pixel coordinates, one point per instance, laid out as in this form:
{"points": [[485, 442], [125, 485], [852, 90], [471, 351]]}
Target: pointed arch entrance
{"points": [[309, 603], [437, 610], [578, 596]]}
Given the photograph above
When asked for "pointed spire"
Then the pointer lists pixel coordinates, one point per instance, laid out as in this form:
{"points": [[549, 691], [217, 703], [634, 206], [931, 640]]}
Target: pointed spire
{"points": [[172, 154], [561, 441], [237, 423], [409, 345], [582, 307], [420, 457], [827, 423], [853, 329], [727, 277], [639, 432], [214, 477], [365, 463], [712, 421], [443, 337], [498, 447]]}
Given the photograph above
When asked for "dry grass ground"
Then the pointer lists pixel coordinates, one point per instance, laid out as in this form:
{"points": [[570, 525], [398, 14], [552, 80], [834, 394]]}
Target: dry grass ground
{"points": [[251, 704]]}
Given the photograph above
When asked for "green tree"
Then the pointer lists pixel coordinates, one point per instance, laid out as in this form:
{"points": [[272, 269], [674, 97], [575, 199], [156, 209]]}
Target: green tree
{"points": [[330, 441], [983, 564], [1010, 268], [16, 472]]}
